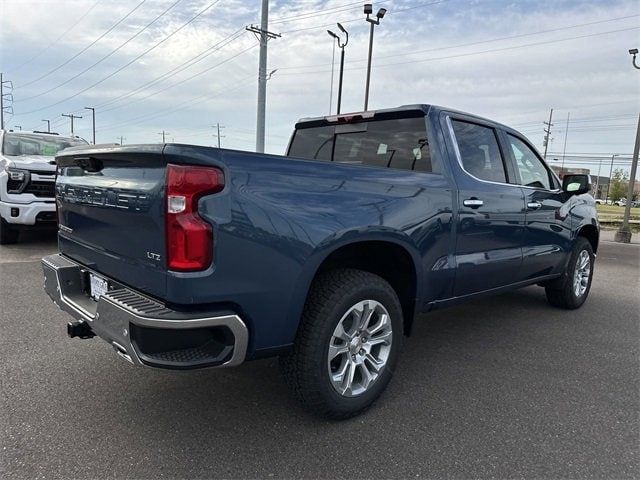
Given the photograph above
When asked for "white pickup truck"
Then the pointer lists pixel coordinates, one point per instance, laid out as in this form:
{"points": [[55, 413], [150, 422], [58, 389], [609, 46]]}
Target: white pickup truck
{"points": [[27, 180]]}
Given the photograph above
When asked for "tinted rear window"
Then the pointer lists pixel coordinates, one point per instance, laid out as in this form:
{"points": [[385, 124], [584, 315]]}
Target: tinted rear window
{"points": [[397, 143]]}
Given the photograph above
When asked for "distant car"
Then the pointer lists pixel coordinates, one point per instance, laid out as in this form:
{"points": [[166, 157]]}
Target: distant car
{"points": [[27, 176], [620, 203], [599, 201]]}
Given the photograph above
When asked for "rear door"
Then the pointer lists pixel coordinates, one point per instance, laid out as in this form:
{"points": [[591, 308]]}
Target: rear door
{"points": [[548, 228], [491, 215], [111, 213]]}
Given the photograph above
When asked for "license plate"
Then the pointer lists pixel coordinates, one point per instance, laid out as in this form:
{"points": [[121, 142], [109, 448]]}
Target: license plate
{"points": [[99, 286]]}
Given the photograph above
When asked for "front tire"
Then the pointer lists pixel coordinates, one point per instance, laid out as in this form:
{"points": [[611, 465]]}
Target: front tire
{"points": [[572, 289], [8, 235], [347, 345]]}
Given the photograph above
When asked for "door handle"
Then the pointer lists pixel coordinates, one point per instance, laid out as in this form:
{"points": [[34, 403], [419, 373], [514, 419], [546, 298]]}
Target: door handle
{"points": [[534, 205], [473, 203]]}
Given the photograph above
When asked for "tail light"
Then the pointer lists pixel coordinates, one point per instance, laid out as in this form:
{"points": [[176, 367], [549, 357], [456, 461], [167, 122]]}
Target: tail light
{"points": [[189, 237]]}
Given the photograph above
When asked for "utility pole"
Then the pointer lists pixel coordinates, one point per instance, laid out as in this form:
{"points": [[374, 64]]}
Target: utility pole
{"points": [[368, 10], [610, 174], [217, 126], [264, 35], [623, 235], [566, 132], [3, 98], [1, 102], [547, 133], [598, 178], [71, 116], [93, 115], [48, 125], [163, 133], [122, 139]]}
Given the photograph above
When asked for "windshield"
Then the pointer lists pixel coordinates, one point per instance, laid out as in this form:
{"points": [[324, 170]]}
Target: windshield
{"points": [[34, 144]]}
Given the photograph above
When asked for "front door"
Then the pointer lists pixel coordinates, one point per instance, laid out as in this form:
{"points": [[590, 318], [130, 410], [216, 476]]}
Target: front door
{"points": [[490, 225], [548, 228]]}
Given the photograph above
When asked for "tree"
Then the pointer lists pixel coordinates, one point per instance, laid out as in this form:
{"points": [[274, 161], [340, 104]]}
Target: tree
{"points": [[619, 184]]}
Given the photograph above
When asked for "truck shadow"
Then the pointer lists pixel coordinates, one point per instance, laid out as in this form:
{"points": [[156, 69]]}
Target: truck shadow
{"points": [[456, 380], [255, 393]]}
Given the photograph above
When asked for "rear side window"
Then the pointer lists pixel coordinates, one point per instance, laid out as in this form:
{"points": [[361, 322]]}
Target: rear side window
{"points": [[479, 151], [532, 171], [397, 143]]}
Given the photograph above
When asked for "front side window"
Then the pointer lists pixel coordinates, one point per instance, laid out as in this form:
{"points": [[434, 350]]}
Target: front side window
{"points": [[532, 171], [396, 143], [479, 151]]}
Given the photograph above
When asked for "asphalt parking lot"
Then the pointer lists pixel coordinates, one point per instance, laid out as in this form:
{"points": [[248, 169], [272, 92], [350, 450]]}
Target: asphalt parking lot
{"points": [[504, 387]]}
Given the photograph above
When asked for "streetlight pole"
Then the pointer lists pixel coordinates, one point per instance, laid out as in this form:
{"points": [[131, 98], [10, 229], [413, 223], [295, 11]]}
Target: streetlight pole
{"points": [[368, 10], [48, 125], [624, 234], [93, 115], [333, 64], [341, 45]]}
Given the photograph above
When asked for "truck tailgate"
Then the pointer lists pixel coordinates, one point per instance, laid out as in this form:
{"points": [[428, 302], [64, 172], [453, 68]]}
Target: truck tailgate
{"points": [[111, 213]]}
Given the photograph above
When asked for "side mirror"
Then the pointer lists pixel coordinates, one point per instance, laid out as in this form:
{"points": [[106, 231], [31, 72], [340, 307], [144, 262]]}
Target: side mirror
{"points": [[576, 184]]}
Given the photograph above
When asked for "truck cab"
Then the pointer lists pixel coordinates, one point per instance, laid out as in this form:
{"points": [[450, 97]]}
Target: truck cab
{"points": [[27, 180]]}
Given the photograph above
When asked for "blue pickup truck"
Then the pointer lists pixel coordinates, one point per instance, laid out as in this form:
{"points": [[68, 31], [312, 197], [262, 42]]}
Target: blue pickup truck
{"points": [[184, 257]]}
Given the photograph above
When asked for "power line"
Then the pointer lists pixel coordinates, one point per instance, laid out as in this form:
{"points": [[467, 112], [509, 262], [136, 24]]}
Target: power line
{"points": [[112, 52], [493, 50], [327, 11], [171, 73], [351, 20], [470, 44], [180, 106], [183, 66], [579, 120], [188, 78], [60, 37], [85, 48], [192, 19]]}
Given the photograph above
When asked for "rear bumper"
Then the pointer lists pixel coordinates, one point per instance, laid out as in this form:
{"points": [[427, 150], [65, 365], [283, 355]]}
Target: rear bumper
{"points": [[144, 331]]}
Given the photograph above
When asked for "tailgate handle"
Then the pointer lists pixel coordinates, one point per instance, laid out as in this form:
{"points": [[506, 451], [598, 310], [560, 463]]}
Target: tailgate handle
{"points": [[89, 164]]}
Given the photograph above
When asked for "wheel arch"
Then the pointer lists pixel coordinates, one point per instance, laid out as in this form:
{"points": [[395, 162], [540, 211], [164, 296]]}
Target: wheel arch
{"points": [[591, 233], [393, 259]]}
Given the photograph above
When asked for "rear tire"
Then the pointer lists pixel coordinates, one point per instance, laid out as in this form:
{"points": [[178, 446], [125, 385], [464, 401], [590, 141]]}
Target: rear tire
{"points": [[572, 289], [8, 234], [347, 345]]}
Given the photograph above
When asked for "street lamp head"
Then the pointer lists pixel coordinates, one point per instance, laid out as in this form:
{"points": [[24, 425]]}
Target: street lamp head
{"points": [[368, 8], [381, 13], [342, 29], [633, 51], [332, 34]]}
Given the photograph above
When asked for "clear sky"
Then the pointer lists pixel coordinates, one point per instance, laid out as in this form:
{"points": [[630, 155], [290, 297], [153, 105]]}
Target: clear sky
{"points": [[184, 65]]}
